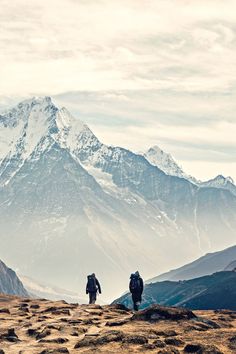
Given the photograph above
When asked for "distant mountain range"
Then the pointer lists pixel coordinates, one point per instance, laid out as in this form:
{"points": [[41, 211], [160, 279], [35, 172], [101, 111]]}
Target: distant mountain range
{"points": [[211, 292], [9, 282], [166, 163], [71, 205], [208, 264], [47, 291]]}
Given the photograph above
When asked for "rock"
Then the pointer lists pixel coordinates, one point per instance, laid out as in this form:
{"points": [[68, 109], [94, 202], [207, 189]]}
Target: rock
{"points": [[117, 323], [167, 333], [62, 312], [232, 343], [119, 307], [107, 337], [88, 321], [174, 341], [10, 336], [148, 346], [74, 334], [5, 311], [209, 323], [24, 309], [54, 340], [135, 339], [24, 304], [156, 313], [34, 306], [58, 328], [32, 332], [159, 344], [55, 351], [75, 322], [43, 334], [201, 349], [193, 348], [169, 351]]}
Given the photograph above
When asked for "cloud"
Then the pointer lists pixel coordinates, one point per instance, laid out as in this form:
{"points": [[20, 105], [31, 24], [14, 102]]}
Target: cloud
{"points": [[137, 72], [66, 45]]}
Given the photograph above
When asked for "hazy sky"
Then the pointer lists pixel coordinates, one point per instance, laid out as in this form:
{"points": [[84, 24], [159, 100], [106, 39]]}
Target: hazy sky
{"points": [[138, 72]]}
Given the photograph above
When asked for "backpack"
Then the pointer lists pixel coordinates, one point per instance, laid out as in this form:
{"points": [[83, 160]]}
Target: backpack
{"points": [[91, 285], [135, 285]]}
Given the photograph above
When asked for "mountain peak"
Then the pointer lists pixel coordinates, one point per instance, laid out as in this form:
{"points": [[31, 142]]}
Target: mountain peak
{"points": [[36, 100], [157, 157], [25, 128], [223, 179], [219, 181]]}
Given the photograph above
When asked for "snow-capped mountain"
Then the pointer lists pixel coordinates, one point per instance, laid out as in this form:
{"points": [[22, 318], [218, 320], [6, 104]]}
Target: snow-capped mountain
{"points": [[70, 205], [221, 182], [163, 160]]}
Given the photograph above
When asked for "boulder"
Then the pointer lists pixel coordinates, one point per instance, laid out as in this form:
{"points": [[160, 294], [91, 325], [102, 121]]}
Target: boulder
{"points": [[135, 339], [157, 313], [201, 349]]}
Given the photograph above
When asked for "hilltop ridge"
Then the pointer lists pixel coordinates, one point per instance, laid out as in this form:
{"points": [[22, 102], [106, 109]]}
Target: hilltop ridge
{"points": [[32, 326]]}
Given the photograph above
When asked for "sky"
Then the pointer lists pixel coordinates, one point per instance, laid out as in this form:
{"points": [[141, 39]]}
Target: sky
{"points": [[139, 73]]}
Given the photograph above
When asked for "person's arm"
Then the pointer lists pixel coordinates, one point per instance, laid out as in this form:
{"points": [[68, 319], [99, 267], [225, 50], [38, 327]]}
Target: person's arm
{"points": [[87, 288], [141, 285], [99, 287], [130, 286]]}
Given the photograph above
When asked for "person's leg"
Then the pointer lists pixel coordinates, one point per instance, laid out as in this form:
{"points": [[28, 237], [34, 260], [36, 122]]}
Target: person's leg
{"points": [[90, 298], [138, 300], [134, 298], [94, 298]]}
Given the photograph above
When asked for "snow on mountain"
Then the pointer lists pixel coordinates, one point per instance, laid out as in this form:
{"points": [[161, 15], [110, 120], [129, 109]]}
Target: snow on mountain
{"points": [[221, 182], [166, 163], [71, 205]]}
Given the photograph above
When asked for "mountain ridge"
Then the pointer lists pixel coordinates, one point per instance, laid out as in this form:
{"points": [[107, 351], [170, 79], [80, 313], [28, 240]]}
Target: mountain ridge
{"points": [[9, 282], [203, 293], [205, 265], [68, 194]]}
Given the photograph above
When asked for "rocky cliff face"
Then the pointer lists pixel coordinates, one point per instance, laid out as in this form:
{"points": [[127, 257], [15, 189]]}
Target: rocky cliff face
{"points": [[9, 282]]}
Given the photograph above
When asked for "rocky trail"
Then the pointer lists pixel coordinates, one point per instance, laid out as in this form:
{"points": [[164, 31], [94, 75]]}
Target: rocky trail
{"points": [[39, 326]]}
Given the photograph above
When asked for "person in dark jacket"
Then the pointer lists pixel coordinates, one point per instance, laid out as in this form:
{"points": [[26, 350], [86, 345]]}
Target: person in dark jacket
{"points": [[92, 287], [136, 289]]}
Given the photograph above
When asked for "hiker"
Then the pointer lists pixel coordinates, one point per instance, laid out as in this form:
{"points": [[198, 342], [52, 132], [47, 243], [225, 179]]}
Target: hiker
{"points": [[136, 289], [92, 288]]}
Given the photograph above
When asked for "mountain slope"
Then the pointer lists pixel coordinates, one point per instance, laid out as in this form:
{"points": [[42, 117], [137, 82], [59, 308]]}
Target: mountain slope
{"points": [[231, 266], [48, 291], [208, 264], [205, 293], [9, 282], [72, 205]]}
